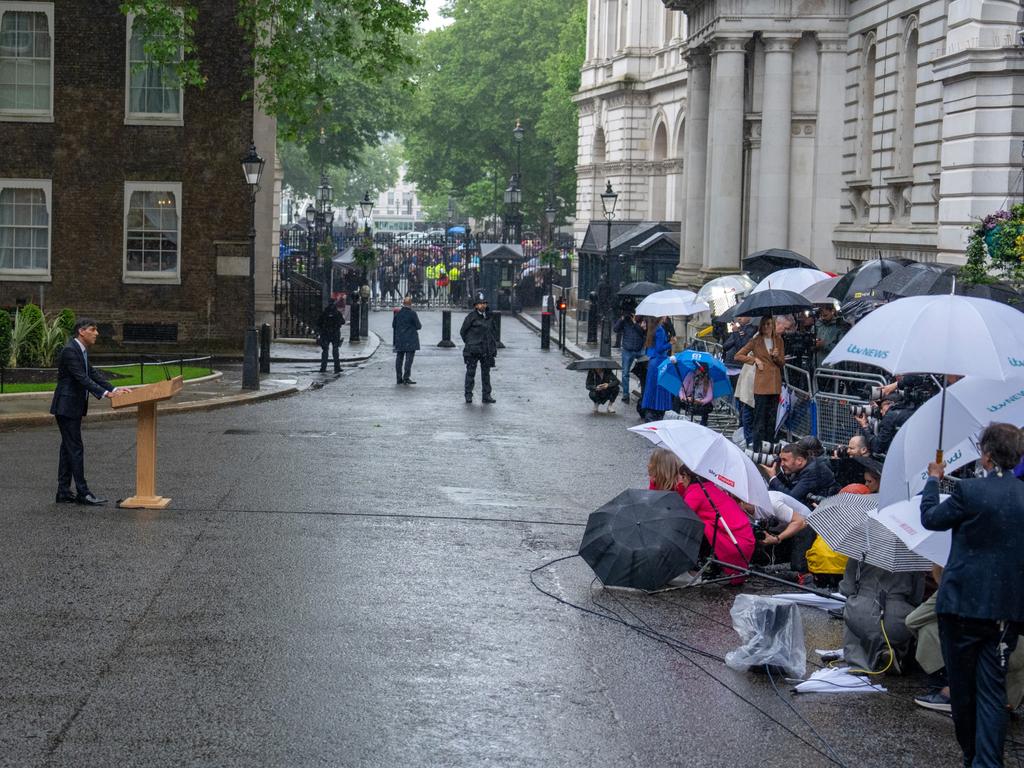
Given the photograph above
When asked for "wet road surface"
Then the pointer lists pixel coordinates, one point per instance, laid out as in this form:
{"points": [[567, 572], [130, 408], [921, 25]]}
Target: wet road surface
{"points": [[344, 579]]}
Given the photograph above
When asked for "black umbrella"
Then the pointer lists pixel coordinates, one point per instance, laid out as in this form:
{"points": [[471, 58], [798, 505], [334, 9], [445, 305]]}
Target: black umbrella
{"points": [[593, 362], [763, 263], [642, 539], [893, 284], [937, 282], [640, 289], [856, 310], [773, 301], [860, 281]]}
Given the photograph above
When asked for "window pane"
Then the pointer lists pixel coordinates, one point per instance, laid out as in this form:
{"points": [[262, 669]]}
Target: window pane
{"points": [[152, 89], [25, 61], [152, 229]]}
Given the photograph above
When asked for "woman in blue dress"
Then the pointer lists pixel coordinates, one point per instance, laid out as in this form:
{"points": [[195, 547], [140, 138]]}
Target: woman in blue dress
{"points": [[657, 348]]}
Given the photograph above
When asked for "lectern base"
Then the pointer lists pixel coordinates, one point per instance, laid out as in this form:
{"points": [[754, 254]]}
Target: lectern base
{"points": [[144, 502]]}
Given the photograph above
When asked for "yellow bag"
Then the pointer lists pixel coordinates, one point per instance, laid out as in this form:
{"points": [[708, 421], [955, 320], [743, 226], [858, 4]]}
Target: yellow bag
{"points": [[821, 558]]}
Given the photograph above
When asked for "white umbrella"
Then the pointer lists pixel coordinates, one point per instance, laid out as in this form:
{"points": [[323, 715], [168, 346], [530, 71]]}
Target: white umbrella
{"points": [[904, 519], [938, 334], [725, 291], [971, 405], [796, 279], [673, 302], [712, 456]]}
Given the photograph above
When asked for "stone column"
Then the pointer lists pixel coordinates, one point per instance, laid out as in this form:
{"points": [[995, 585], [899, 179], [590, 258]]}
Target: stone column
{"points": [[776, 123], [828, 148], [724, 219], [695, 164]]}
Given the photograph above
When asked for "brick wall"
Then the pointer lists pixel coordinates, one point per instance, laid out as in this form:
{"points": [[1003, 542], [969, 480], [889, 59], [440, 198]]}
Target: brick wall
{"points": [[89, 153]]}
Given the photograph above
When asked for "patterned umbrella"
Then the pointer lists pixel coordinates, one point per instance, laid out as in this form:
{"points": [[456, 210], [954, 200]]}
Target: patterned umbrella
{"points": [[845, 523], [671, 373]]}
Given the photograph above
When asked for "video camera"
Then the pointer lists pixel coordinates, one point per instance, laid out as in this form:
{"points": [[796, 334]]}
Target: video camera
{"points": [[799, 343]]}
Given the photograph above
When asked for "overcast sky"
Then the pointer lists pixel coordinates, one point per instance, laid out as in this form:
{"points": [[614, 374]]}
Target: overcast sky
{"points": [[434, 20]]}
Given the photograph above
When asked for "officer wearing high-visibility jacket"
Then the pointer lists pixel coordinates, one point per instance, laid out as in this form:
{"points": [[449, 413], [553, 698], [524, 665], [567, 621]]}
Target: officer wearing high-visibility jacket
{"points": [[431, 273], [454, 280]]}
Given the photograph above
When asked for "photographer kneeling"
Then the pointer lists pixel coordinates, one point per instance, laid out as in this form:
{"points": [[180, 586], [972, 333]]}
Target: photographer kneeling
{"points": [[785, 529]]}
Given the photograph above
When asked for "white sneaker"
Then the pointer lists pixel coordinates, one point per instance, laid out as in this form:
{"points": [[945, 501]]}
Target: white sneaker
{"points": [[596, 407], [611, 408]]}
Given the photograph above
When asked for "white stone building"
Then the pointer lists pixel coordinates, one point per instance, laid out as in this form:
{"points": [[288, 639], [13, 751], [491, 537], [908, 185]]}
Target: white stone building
{"points": [[842, 129]]}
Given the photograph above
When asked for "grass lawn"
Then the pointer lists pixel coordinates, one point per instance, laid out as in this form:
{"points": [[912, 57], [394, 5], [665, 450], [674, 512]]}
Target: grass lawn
{"points": [[121, 376]]}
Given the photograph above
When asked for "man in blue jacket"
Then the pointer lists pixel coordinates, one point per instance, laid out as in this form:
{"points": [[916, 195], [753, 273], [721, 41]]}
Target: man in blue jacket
{"points": [[634, 334], [980, 603], [76, 380]]}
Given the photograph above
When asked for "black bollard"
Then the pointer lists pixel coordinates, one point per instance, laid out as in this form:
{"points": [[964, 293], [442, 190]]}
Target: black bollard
{"points": [[264, 348], [496, 321], [446, 330], [545, 330], [592, 319], [353, 317]]}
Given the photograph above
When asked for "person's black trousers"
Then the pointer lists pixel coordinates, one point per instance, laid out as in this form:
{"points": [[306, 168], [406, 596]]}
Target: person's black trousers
{"points": [[977, 685], [766, 409], [72, 456], [602, 396], [323, 356], [485, 376], [403, 365]]}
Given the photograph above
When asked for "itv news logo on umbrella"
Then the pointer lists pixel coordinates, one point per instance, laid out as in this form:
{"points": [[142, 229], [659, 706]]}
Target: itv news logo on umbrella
{"points": [[1016, 363], [878, 354]]}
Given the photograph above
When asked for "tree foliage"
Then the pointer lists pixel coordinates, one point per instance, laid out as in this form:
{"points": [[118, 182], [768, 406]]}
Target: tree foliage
{"points": [[995, 249], [315, 62], [375, 169], [498, 61], [6, 337]]}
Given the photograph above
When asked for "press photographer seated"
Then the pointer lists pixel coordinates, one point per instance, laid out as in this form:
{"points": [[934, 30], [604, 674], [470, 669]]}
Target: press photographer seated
{"points": [[783, 532], [801, 475]]}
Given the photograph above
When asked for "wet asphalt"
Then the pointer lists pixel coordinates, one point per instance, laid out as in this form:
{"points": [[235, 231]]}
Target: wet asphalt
{"points": [[343, 578]]}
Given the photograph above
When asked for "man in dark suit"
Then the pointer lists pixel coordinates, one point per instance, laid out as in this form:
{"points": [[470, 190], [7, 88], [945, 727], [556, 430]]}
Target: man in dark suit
{"points": [[76, 380], [328, 330], [980, 604], [406, 326]]}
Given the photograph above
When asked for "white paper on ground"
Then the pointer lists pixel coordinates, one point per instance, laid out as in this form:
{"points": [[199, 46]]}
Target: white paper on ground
{"points": [[837, 680], [811, 600], [838, 653]]}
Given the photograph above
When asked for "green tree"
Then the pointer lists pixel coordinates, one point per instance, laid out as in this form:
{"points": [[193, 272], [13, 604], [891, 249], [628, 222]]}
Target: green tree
{"points": [[498, 61], [6, 337], [314, 62]]}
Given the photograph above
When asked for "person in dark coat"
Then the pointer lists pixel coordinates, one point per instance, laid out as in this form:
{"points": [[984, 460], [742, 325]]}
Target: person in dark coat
{"points": [[406, 326], [76, 380], [603, 388], [481, 346], [980, 602], [328, 332]]}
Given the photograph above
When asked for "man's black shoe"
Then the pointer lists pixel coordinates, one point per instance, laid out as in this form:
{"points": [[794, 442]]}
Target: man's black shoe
{"points": [[408, 381], [490, 400], [400, 381], [90, 500], [65, 498], [469, 398]]}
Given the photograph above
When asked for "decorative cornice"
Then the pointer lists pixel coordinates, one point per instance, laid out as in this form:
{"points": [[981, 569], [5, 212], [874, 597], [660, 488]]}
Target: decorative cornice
{"points": [[832, 43]]}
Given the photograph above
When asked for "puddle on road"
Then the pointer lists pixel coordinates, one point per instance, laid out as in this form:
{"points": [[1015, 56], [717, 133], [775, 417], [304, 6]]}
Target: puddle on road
{"points": [[482, 497]]}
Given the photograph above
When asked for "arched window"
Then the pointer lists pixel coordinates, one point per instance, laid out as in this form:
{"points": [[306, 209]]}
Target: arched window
{"points": [[659, 179], [905, 119], [866, 110], [598, 152]]}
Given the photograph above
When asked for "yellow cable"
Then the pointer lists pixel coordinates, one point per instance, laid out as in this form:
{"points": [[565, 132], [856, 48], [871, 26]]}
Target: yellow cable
{"points": [[892, 654]]}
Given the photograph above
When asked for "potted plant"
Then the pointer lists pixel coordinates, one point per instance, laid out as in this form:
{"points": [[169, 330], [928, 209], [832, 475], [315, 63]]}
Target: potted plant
{"points": [[995, 249]]}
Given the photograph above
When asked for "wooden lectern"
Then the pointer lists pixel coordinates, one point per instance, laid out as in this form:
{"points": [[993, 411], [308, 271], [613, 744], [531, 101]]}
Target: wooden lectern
{"points": [[145, 441]]}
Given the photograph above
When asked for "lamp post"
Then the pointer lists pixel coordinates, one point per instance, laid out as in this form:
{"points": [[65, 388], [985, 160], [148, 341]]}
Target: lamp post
{"points": [[550, 214], [324, 224], [517, 136], [359, 315], [513, 198], [310, 239], [608, 199], [252, 167]]}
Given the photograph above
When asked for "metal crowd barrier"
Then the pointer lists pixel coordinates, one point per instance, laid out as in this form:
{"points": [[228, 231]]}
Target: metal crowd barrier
{"points": [[802, 417], [834, 392]]}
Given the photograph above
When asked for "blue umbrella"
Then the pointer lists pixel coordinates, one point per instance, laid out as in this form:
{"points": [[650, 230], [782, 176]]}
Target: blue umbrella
{"points": [[456, 230], [671, 375]]}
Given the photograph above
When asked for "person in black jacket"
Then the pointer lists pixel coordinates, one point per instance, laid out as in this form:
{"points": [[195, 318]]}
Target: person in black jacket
{"points": [[406, 327], [76, 380], [328, 330], [634, 334], [481, 346], [980, 602], [603, 388]]}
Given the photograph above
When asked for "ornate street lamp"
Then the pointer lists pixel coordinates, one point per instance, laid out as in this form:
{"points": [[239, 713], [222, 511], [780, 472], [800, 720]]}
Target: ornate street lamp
{"points": [[252, 167], [608, 200]]}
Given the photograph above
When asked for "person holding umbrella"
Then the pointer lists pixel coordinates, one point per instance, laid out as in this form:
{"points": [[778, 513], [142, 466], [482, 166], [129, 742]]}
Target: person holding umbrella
{"points": [[658, 346], [981, 596], [767, 353], [634, 333], [697, 393]]}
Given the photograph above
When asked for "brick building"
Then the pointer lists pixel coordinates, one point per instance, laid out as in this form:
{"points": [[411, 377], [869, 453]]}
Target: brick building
{"points": [[121, 195]]}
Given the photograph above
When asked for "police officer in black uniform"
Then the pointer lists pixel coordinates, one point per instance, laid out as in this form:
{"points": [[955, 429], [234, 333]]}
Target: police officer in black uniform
{"points": [[328, 327], [481, 346]]}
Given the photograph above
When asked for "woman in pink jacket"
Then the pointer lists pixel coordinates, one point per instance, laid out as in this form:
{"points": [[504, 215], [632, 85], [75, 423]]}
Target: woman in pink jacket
{"points": [[703, 497]]}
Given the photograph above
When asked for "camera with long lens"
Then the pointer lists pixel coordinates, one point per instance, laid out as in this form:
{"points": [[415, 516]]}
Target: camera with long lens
{"points": [[775, 448], [842, 452], [814, 498], [760, 530], [871, 410], [761, 457]]}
